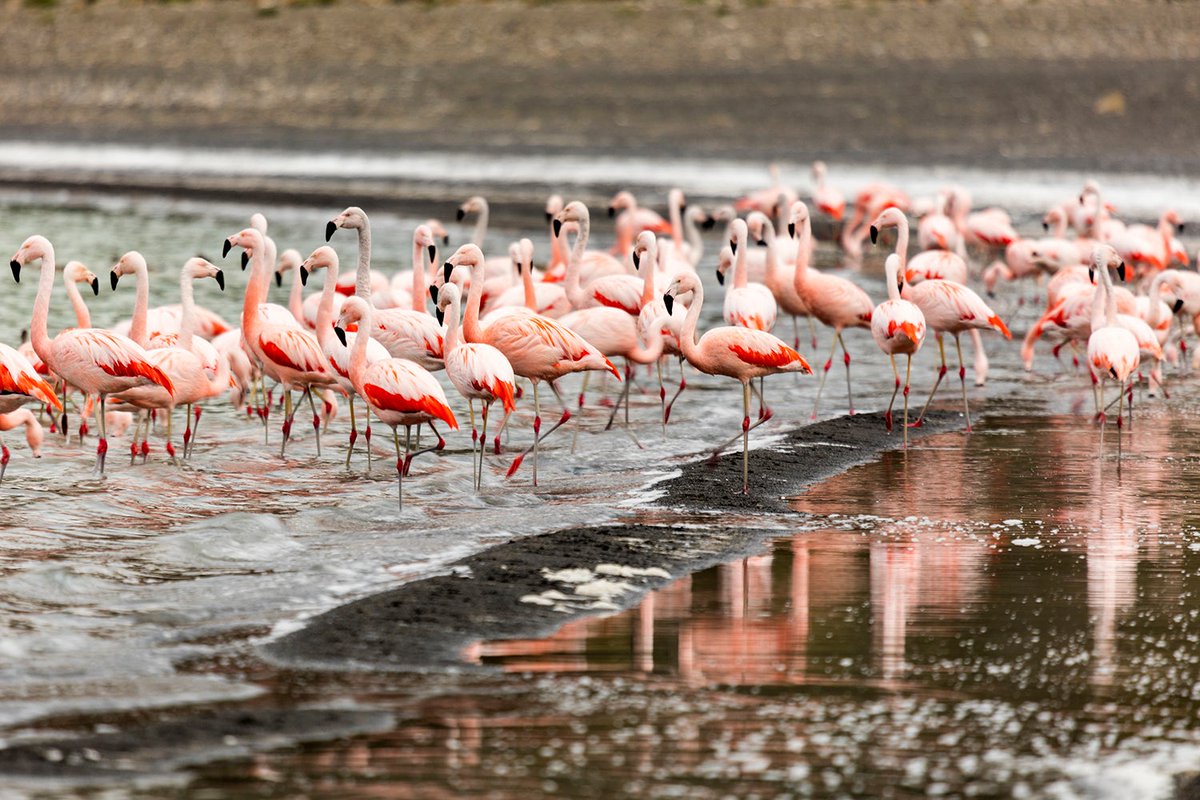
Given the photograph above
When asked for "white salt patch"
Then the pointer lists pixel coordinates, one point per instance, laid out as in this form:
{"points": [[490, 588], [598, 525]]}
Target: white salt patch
{"points": [[577, 575], [603, 590], [537, 600], [631, 572]]}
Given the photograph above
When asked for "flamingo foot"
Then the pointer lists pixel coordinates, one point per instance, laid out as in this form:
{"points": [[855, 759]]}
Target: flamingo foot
{"points": [[101, 452], [4, 458], [887, 420], [145, 451]]}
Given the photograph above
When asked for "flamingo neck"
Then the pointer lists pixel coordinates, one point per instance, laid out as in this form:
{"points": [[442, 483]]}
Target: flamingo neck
{"points": [[527, 282], [676, 215], [695, 241], [296, 296], [472, 331], [892, 270], [557, 256], [739, 265], [419, 286], [801, 274], [1156, 303], [362, 280], [83, 317], [902, 244], [453, 336], [1110, 298], [772, 270], [575, 264], [481, 224], [187, 319], [687, 336], [648, 265], [782, 210], [358, 352], [256, 293], [650, 354], [43, 345], [141, 305], [325, 309], [1060, 226]]}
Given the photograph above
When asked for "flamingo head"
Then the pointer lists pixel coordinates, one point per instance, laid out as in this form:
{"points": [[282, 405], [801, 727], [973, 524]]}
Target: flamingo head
{"points": [[469, 256], [355, 311], [798, 218], [473, 205], [259, 223], [724, 263], [353, 217], [1171, 217], [554, 204], [818, 171], [646, 244], [525, 260], [31, 249], [199, 268], [683, 283], [132, 263], [1105, 257], [438, 230], [288, 260], [423, 237], [758, 224], [447, 296], [675, 197], [323, 257], [738, 234], [621, 201], [890, 217], [76, 272], [574, 211], [249, 239]]}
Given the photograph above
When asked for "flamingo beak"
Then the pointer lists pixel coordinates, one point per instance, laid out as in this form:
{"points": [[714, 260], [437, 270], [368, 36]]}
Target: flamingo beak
{"points": [[612, 212], [1045, 226], [1179, 228], [225, 248], [637, 260], [669, 302], [460, 215], [709, 223], [447, 268], [557, 227], [96, 286], [720, 277], [245, 260], [16, 268], [1121, 271], [792, 230], [549, 216], [303, 276], [446, 240], [433, 292], [113, 278], [441, 316], [220, 278], [1091, 275], [1175, 309], [432, 250], [330, 227], [278, 279], [341, 334], [733, 247], [874, 235]]}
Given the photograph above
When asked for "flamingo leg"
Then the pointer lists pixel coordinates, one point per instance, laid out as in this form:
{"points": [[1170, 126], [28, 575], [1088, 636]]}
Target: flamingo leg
{"points": [[316, 419], [441, 445], [503, 425], [170, 444], [824, 375], [662, 398], [623, 397], [679, 391], [887, 415], [187, 431], [4, 458], [102, 445], [933, 391], [537, 425], [907, 376], [133, 445], [400, 463], [962, 380], [196, 412], [353, 432], [287, 420], [1100, 415], [474, 441], [367, 435], [846, 359], [1120, 407], [482, 448], [746, 437]]}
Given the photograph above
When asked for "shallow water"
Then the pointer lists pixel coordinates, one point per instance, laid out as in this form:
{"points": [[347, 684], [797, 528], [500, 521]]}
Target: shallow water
{"points": [[113, 591], [1030, 633]]}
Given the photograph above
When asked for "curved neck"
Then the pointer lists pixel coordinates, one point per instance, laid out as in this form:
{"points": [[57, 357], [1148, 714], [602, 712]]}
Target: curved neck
{"points": [[1110, 298], [256, 293], [676, 215], [739, 266], [1059, 231], [419, 286], [141, 304], [362, 281], [772, 271], [42, 343], [358, 353], [647, 266], [801, 273], [694, 240], [687, 337], [296, 295], [902, 245], [1156, 303], [575, 264], [557, 250], [325, 309], [83, 317], [187, 319], [527, 281], [892, 269], [481, 224], [453, 312], [648, 355], [472, 331]]}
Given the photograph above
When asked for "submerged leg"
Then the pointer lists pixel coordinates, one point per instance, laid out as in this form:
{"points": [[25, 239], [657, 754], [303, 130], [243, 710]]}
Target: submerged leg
{"points": [[887, 415], [746, 437], [941, 374], [846, 359], [824, 375], [907, 376], [962, 380], [316, 419]]}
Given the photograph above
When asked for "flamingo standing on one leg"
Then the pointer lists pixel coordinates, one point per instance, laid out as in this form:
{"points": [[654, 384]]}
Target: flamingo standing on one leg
{"points": [[19, 384], [836, 302], [479, 372], [399, 391], [537, 347], [95, 361], [898, 326], [740, 353]]}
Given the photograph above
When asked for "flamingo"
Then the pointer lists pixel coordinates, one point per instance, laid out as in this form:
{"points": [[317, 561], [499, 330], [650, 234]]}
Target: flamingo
{"points": [[1149, 248], [183, 363], [409, 287], [537, 347], [872, 200], [494, 267], [95, 361], [1112, 349], [622, 292], [747, 305], [898, 326], [288, 354], [828, 200], [740, 353], [632, 219], [654, 317], [767, 200], [399, 391], [948, 308], [34, 435], [547, 299], [780, 277], [406, 333], [337, 353], [479, 372], [836, 302], [19, 384]]}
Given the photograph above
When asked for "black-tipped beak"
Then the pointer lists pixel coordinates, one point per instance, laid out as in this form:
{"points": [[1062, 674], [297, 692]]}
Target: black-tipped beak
{"points": [[432, 250], [1045, 226], [683, 208], [1179, 228], [612, 212], [709, 223], [225, 248], [669, 302], [720, 278], [447, 269], [1121, 271], [874, 235], [761, 242], [446, 240], [441, 316], [278, 279], [792, 230], [1175, 309], [637, 260], [1091, 275], [733, 247], [220, 278], [16, 268], [330, 227], [549, 216], [557, 227], [460, 215], [303, 276], [433, 292], [340, 333], [900, 285], [112, 280], [245, 260]]}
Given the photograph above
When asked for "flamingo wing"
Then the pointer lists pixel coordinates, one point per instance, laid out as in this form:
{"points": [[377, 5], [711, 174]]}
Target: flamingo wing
{"points": [[292, 348], [18, 376], [404, 387]]}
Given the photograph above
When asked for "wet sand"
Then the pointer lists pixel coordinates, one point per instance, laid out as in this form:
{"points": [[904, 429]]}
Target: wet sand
{"points": [[1017, 83]]}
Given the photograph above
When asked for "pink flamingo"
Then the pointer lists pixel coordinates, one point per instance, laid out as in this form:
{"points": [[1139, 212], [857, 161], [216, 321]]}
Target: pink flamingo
{"points": [[948, 308], [335, 351], [898, 326], [834, 301], [537, 347], [767, 200], [622, 292], [479, 372], [406, 333], [97, 362], [1112, 348], [747, 305], [547, 299], [632, 219], [34, 435], [493, 267], [654, 317], [288, 354], [19, 384], [740, 353], [828, 200], [780, 277], [399, 391], [871, 201], [1149, 248]]}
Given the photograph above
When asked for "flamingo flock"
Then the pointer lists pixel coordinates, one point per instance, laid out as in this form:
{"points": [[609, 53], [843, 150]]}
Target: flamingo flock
{"points": [[493, 323]]}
